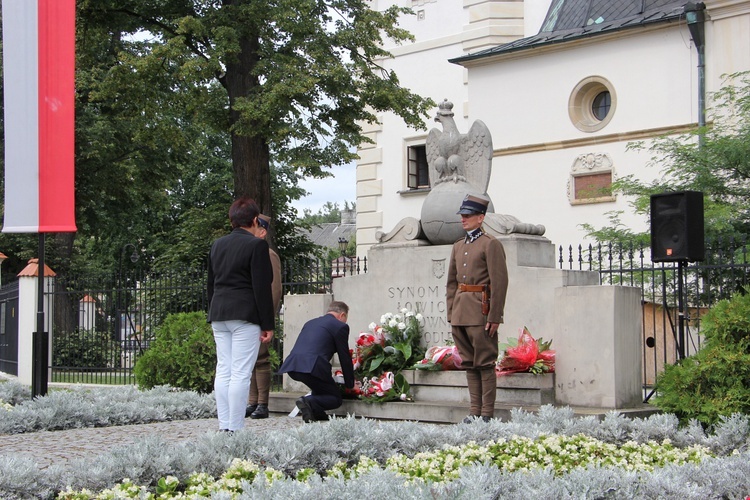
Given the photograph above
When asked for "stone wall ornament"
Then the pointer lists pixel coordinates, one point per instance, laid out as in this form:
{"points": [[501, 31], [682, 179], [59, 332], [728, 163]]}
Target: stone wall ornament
{"points": [[407, 229], [501, 224]]}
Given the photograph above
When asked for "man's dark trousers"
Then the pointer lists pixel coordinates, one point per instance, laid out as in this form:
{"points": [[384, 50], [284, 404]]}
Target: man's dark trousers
{"points": [[326, 394]]}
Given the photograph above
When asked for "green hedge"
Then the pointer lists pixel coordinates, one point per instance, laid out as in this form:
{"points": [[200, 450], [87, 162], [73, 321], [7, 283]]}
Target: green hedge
{"points": [[714, 382], [182, 355], [85, 349]]}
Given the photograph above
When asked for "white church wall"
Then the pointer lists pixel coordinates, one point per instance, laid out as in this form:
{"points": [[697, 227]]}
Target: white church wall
{"points": [[524, 102], [727, 40]]}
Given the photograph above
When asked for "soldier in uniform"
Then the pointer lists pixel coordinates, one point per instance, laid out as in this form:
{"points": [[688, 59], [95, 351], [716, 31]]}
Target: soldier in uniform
{"points": [[476, 290], [260, 384]]}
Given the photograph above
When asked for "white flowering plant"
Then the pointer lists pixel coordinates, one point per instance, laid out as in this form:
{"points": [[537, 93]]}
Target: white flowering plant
{"points": [[557, 454], [387, 348]]}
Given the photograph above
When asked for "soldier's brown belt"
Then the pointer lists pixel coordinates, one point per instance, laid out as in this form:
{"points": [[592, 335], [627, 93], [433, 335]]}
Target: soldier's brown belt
{"points": [[471, 288]]}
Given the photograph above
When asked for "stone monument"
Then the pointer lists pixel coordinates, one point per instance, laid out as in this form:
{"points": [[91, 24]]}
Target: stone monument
{"points": [[596, 330]]}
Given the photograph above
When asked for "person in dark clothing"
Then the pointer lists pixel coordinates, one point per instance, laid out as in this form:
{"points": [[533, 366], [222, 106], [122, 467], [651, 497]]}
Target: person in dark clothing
{"points": [[260, 383], [240, 309], [310, 361]]}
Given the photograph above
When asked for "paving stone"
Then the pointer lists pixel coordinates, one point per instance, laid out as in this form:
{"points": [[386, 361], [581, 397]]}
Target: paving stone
{"points": [[58, 447]]}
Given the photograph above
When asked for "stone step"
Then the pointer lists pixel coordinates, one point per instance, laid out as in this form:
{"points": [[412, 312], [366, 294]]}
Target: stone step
{"points": [[433, 411], [516, 389]]}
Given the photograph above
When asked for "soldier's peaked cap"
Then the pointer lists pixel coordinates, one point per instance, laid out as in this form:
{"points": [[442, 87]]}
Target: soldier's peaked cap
{"points": [[473, 205]]}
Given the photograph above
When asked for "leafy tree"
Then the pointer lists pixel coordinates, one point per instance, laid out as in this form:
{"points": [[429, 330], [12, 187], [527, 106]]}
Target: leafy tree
{"points": [[714, 159], [297, 76], [183, 104]]}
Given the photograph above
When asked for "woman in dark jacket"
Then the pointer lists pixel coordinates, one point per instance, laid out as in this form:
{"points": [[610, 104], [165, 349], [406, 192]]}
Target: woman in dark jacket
{"points": [[240, 309]]}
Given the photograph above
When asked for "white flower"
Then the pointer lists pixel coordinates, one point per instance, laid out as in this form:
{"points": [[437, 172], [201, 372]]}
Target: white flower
{"points": [[404, 310], [418, 317], [372, 326], [402, 397], [392, 323], [401, 326]]}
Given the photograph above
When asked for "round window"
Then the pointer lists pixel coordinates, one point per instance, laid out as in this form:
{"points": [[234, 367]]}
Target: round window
{"points": [[592, 104]]}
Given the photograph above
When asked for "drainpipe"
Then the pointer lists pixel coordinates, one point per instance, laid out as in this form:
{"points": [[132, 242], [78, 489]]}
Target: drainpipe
{"points": [[695, 15]]}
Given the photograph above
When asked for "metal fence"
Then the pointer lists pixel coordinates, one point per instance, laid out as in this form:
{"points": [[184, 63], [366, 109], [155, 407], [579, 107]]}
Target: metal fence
{"points": [[103, 323]]}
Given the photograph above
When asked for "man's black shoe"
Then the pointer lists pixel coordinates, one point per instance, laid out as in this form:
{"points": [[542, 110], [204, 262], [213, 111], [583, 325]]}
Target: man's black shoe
{"points": [[249, 410], [470, 418], [485, 418], [304, 408], [260, 412]]}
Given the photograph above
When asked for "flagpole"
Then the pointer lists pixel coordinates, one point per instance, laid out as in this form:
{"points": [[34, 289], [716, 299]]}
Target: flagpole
{"points": [[40, 348]]}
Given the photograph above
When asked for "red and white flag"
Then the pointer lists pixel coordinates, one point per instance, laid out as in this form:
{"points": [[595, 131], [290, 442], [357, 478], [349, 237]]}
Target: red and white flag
{"points": [[39, 86]]}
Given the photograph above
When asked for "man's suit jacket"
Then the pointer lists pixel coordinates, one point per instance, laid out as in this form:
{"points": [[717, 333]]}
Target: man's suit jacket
{"points": [[239, 280], [319, 339]]}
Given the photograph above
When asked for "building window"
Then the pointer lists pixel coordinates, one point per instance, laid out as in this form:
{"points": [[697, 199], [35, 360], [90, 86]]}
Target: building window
{"points": [[418, 173], [591, 179], [592, 104], [601, 104]]}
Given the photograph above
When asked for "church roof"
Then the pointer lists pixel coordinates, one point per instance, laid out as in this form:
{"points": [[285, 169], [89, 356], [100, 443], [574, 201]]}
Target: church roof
{"points": [[574, 19]]}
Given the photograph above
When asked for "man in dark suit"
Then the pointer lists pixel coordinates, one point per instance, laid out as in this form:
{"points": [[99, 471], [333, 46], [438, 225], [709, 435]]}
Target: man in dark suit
{"points": [[310, 361]]}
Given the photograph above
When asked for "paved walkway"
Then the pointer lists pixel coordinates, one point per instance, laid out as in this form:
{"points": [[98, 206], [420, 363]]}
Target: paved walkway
{"points": [[58, 447]]}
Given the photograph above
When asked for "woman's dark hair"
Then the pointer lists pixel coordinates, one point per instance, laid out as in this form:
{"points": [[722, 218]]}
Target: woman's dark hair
{"points": [[243, 212]]}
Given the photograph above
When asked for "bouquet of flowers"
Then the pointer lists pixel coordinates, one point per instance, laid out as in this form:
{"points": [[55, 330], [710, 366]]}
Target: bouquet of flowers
{"points": [[440, 358], [526, 354], [353, 393], [386, 387], [387, 348], [391, 345]]}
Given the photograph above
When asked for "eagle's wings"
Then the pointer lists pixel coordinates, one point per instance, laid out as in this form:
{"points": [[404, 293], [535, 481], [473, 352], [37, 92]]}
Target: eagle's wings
{"points": [[432, 149], [476, 149]]}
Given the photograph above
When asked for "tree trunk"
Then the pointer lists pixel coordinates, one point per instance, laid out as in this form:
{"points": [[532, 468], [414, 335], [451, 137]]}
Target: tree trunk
{"points": [[250, 156]]}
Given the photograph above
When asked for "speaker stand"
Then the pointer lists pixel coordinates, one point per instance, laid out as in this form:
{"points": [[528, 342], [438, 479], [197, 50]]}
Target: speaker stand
{"points": [[679, 336], [680, 310]]}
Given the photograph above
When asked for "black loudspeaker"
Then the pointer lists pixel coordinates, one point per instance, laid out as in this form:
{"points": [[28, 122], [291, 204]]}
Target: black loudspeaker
{"points": [[677, 227]]}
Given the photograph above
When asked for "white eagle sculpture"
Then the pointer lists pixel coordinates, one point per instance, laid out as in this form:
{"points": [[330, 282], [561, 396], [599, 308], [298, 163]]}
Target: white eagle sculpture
{"points": [[458, 164], [452, 156]]}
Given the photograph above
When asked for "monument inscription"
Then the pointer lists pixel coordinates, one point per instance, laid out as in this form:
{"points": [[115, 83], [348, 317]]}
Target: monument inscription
{"points": [[429, 301]]}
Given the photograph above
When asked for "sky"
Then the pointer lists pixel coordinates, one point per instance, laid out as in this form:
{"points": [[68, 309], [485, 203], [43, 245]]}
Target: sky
{"points": [[337, 189]]}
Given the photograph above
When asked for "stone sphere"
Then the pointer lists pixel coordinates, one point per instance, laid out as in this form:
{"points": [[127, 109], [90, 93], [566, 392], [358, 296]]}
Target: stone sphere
{"points": [[440, 222]]}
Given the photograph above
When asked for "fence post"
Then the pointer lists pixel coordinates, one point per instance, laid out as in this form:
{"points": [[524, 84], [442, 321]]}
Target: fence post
{"points": [[27, 317]]}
